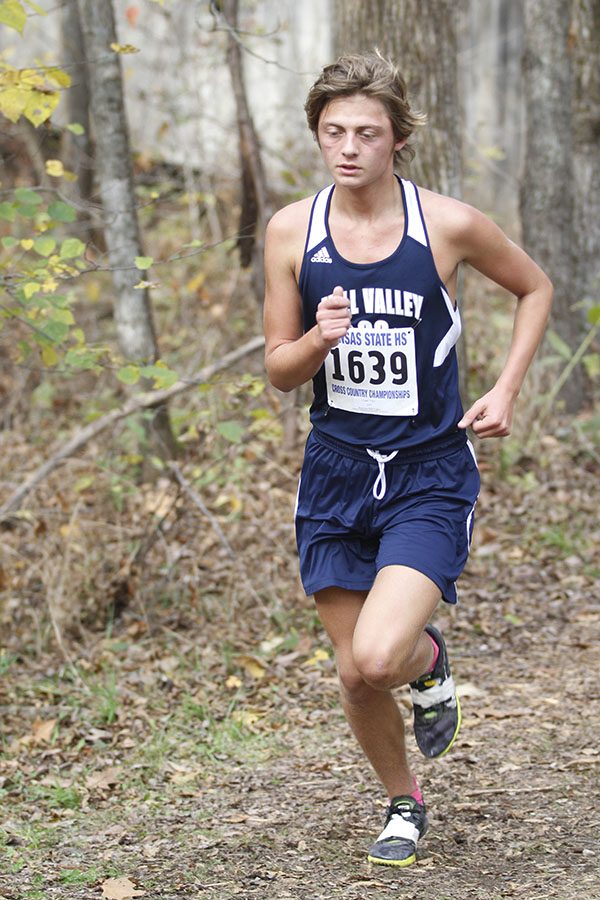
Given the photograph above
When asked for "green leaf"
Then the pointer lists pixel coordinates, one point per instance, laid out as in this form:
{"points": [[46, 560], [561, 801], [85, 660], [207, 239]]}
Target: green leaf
{"points": [[13, 15], [44, 245], [27, 210], [82, 358], [56, 331], [71, 247], [27, 196], [561, 347], [162, 375], [7, 211], [76, 128], [8, 242], [143, 262], [62, 315], [594, 315], [232, 431], [61, 212], [591, 362], [129, 374]]}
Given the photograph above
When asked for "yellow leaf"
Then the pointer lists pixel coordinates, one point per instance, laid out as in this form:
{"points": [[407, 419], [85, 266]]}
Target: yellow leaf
{"points": [[12, 101], [319, 656], [49, 285], [29, 289], [58, 76], [55, 168], [13, 15], [124, 48], [252, 665], [49, 356], [233, 682], [40, 106], [245, 717], [195, 283], [26, 243]]}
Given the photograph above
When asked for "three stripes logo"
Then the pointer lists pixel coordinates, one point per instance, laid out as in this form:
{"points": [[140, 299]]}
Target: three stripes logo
{"points": [[322, 256]]}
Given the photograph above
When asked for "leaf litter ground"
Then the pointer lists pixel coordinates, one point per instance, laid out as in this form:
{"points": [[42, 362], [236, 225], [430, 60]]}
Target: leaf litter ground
{"points": [[193, 751]]}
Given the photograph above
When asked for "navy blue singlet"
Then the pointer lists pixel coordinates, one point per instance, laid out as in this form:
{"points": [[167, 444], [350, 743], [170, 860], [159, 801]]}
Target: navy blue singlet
{"points": [[392, 382]]}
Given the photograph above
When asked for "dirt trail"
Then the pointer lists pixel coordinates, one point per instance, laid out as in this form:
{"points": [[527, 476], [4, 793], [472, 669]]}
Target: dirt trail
{"points": [[270, 798]]}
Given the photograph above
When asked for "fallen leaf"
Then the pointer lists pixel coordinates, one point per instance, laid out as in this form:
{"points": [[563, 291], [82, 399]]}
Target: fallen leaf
{"points": [[255, 667], [467, 689], [103, 781], [42, 731], [120, 889], [319, 656]]}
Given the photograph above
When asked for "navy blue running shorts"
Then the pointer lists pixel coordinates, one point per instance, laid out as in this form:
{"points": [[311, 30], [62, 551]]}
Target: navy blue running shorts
{"points": [[423, 520]]}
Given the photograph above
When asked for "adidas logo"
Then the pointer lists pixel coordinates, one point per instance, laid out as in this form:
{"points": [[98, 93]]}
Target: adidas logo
{"points": [[321, 256]]}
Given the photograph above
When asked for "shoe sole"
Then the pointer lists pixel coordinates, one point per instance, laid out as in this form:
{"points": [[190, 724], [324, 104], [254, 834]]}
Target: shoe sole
{"points": [[398, 863], [455, 735]]}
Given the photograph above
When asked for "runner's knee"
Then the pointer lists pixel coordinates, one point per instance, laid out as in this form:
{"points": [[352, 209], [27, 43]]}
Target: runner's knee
{"points": [[382, 667], [353, 686]]}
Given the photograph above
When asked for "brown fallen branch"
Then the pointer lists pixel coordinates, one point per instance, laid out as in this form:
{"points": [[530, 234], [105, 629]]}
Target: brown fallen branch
{"points": [[147, 400]]}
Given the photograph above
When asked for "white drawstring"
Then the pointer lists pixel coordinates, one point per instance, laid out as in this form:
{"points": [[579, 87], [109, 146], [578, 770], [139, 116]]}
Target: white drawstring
{"points": [[380, 486]]}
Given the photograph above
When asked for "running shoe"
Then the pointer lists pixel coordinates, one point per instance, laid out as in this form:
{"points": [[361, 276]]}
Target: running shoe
{"points": [[405, 823], [435, 703]]}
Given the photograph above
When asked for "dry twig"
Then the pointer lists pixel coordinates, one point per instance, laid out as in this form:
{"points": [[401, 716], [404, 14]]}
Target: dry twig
{"points": [[146, 400]]}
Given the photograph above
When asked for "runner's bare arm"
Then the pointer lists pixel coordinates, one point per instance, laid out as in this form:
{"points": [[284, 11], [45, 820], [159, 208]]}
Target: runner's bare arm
{"points": [[291, 356], [485, 247]]}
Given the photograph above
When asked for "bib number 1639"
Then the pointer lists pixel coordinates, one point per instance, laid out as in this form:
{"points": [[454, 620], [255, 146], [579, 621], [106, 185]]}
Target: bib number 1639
{"points": [[397, 362], [374, 372]]}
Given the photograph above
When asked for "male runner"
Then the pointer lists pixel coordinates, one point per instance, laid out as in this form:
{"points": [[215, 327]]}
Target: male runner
{"points": [[360, 298]]}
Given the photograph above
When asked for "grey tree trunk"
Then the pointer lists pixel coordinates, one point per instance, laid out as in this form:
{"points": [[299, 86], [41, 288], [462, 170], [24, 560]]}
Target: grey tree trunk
{"points": [[585, 40], [550, 207], [78, 150], [422, 37], [133, 312]]}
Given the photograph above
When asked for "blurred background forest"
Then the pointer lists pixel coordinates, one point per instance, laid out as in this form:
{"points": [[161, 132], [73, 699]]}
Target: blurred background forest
{"points": [[148, 472]]}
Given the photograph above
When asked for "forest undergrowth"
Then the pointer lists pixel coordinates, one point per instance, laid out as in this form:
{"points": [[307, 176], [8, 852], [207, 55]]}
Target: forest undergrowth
{"points": [[170, 722]]}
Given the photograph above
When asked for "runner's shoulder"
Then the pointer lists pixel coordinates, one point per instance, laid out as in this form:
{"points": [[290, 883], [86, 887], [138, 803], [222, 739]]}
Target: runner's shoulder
{"points": [[291, 221], [453, 218], [286, 235]]}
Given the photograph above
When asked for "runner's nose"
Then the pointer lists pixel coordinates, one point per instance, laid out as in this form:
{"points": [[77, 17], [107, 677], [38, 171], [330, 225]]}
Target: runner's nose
{"points": [[349, 148]]}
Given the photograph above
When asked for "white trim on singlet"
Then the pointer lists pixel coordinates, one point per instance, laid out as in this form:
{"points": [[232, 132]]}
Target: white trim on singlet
{"points": [[318, 223], [452, 335], [415, 227]]}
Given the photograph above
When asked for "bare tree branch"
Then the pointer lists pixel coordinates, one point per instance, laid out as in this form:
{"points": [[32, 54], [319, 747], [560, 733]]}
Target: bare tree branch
{"points": [[147, 400]]}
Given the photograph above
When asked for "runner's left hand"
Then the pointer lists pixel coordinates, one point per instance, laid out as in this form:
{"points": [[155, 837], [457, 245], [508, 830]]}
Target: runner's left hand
{"points": [[491, 415]]}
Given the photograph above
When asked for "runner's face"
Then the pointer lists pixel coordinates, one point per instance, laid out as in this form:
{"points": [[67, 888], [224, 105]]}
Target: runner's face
{"points": [[357, 141]]}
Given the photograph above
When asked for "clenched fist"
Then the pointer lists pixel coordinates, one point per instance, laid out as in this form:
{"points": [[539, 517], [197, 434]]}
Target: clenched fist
{"points": [[333, 317]]}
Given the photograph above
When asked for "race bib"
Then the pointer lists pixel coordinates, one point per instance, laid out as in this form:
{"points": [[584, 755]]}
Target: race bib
{"points": [[373, 370]]}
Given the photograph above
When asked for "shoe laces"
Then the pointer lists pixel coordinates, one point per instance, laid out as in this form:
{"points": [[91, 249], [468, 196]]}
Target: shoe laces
{"points": [[402, 809]]}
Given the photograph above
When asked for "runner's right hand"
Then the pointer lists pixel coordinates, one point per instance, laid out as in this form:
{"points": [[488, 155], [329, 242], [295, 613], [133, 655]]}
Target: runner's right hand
{"points": [[333, 317]]}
